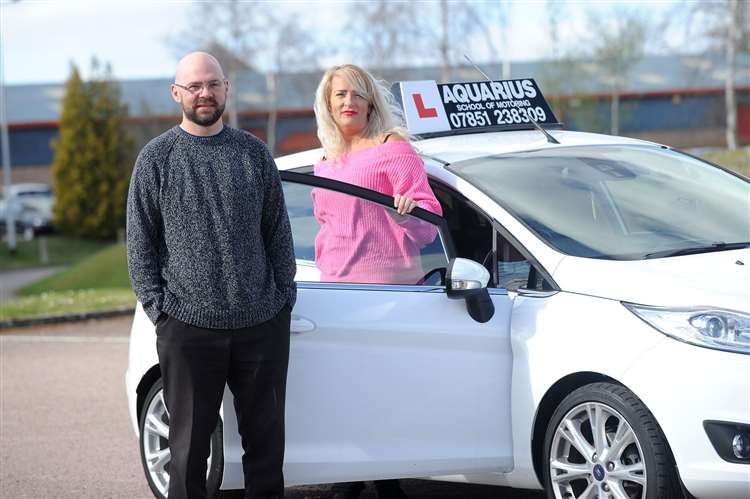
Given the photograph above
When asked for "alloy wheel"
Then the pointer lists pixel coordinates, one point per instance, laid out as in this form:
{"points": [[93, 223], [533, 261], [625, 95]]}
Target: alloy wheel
{"points": [[156, 443], [595, 454]]}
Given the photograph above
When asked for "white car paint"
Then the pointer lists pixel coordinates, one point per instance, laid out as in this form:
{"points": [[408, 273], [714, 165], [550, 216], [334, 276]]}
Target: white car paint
{"points": [[713, 385], [351, 415], [710, 279], [475, 423]]}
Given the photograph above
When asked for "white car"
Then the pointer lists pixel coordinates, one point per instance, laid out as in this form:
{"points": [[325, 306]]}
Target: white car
{"points": [[582, 326], [31, 205]]}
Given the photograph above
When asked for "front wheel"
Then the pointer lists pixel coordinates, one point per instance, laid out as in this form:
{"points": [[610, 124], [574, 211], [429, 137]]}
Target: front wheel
{"points": [[601, 443], [154, 440]]}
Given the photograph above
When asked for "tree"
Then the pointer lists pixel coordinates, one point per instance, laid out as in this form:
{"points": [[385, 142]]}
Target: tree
{"points": [[251, 36], [290, 48], [93, 158], [386, 33], [461, 25], [560, 74], [724, 27], [617, 46], [236, 39]]}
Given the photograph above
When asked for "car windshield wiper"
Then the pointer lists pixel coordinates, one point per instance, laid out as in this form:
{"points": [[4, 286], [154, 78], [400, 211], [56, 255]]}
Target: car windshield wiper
{"points": [[719, 246]]}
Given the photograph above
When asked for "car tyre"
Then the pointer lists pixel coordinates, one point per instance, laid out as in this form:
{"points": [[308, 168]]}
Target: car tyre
{"points": [[154, 446], [628, 454]]}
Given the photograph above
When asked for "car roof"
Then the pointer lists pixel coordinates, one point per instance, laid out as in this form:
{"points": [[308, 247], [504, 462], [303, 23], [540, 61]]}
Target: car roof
{"points": [[459, 147]]}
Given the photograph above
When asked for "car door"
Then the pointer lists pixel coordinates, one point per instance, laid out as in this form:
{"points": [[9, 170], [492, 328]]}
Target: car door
{"points": [[389, 378]]}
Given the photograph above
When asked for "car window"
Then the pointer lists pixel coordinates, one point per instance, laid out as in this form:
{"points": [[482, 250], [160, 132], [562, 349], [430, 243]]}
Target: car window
{"points": [[616, 202], [472, 232], [470, 229], [514, 270], [42, 194], [343, 238]]}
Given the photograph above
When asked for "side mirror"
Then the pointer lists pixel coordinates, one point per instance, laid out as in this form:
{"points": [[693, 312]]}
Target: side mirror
{"points": [[467, 279]]}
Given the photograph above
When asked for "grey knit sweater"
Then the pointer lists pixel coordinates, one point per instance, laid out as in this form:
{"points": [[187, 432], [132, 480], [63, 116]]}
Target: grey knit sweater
{"points": [[209, 240]]}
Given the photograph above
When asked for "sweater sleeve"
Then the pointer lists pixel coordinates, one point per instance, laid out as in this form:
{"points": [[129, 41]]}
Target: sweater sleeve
{"points": [[277, 232], [144, 224], [408, 178]]}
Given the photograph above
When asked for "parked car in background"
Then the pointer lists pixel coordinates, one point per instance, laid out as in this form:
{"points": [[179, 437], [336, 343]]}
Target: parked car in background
{"points": [[31, 205]]}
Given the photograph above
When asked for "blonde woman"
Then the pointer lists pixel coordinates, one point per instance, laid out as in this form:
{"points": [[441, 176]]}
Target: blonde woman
{"points": [[365, 144]]}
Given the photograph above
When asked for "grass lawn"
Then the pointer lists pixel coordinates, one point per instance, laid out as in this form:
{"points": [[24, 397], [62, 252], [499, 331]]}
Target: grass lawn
{"points": [[61, 250], [67, 302], [98, 282], [738, 160], [103, 270]]}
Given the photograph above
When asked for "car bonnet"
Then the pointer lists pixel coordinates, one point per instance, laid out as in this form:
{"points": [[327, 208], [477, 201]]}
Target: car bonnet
{"points": [[718, 279]]}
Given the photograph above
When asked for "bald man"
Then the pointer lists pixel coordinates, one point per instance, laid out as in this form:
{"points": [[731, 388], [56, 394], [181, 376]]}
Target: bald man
{"points": [[211, 261]]}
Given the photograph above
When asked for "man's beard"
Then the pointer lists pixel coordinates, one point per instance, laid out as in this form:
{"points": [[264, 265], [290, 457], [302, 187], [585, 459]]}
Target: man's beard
{"points": [[192, 113]]}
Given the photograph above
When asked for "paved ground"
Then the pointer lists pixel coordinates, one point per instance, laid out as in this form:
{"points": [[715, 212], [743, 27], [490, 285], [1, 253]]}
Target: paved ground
{"points": [[12, 280], [64, 428]]}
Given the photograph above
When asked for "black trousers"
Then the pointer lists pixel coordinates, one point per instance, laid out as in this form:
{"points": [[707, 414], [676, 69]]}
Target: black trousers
{"points": [[195, 364]]}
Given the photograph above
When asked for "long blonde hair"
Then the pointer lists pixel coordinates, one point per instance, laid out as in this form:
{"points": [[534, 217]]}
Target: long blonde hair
{"points": [[384, 115]]}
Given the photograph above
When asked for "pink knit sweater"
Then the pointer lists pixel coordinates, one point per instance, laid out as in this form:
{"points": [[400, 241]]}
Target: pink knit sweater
{"points": [[360, 241]]}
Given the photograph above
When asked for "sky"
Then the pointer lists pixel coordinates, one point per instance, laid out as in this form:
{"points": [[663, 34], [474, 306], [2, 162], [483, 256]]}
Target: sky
{"points": [[40, 38]]}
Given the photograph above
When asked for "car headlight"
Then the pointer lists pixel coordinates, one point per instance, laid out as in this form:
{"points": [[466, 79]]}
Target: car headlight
{"points": [[727, 330]]}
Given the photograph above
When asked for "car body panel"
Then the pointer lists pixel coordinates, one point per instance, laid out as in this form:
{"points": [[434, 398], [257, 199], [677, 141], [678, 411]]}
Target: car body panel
{"points": [[714, 386], [379, 386], [469, 146], [712, 279], [141, 358], [550, 343]]}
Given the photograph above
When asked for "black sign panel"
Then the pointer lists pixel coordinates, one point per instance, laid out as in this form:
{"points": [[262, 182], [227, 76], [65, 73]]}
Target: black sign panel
{"points": [[506, 103]]}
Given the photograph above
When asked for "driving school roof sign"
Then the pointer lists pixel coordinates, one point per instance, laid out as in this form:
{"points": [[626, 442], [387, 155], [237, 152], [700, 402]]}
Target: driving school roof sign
{"points": [[506, 104]]}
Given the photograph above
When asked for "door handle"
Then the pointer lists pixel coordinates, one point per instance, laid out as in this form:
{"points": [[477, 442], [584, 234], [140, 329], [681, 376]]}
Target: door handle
{"points": [[301, 325]]}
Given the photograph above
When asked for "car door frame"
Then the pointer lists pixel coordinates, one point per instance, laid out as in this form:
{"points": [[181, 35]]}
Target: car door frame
{"points": [[376, 197], [502, 461]]}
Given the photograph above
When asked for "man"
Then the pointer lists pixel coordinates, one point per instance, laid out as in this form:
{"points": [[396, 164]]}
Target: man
{"points": [[211, 260]]}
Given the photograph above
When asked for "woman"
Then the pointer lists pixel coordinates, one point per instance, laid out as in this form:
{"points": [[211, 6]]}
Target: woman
{"points": [[360, 129]]}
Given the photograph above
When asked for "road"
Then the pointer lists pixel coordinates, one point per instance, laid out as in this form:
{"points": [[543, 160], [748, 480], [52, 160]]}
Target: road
{"points": [[64, 427], [12, 280]]}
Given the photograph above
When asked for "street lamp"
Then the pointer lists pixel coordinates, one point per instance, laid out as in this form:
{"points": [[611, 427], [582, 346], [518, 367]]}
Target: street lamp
{"points": [[10, 225]]}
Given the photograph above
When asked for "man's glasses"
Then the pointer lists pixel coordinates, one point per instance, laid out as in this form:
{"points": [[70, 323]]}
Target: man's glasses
{"points": [[196, 88]]}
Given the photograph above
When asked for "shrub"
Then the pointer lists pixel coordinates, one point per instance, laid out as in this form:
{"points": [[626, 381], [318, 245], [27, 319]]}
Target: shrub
{"points": [[93, 158]]}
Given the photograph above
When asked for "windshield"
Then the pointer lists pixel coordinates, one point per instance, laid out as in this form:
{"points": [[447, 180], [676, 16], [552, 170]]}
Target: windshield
{"points": [[38, 200], [617, 202]]}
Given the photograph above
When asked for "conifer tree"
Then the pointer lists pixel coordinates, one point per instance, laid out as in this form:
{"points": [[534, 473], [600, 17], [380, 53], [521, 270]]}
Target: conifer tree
{"points": [[93, 158]]}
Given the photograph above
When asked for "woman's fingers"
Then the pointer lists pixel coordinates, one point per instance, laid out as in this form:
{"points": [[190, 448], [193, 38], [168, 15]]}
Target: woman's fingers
{"points": [[412, 204], [398, 202], [403, 204]]}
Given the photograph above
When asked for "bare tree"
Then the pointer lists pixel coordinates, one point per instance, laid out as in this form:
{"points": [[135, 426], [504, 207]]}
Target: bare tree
{"points": [[560, 74], [617, 46], [725, 27], [235, 39], [390, 33], [387, 33], [719, 27], [290, 48], [493, 23], [247, 36], [459, 24]]}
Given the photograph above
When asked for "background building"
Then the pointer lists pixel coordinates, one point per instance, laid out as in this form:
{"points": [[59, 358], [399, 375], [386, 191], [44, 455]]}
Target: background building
{"points": [[675, 100]]}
